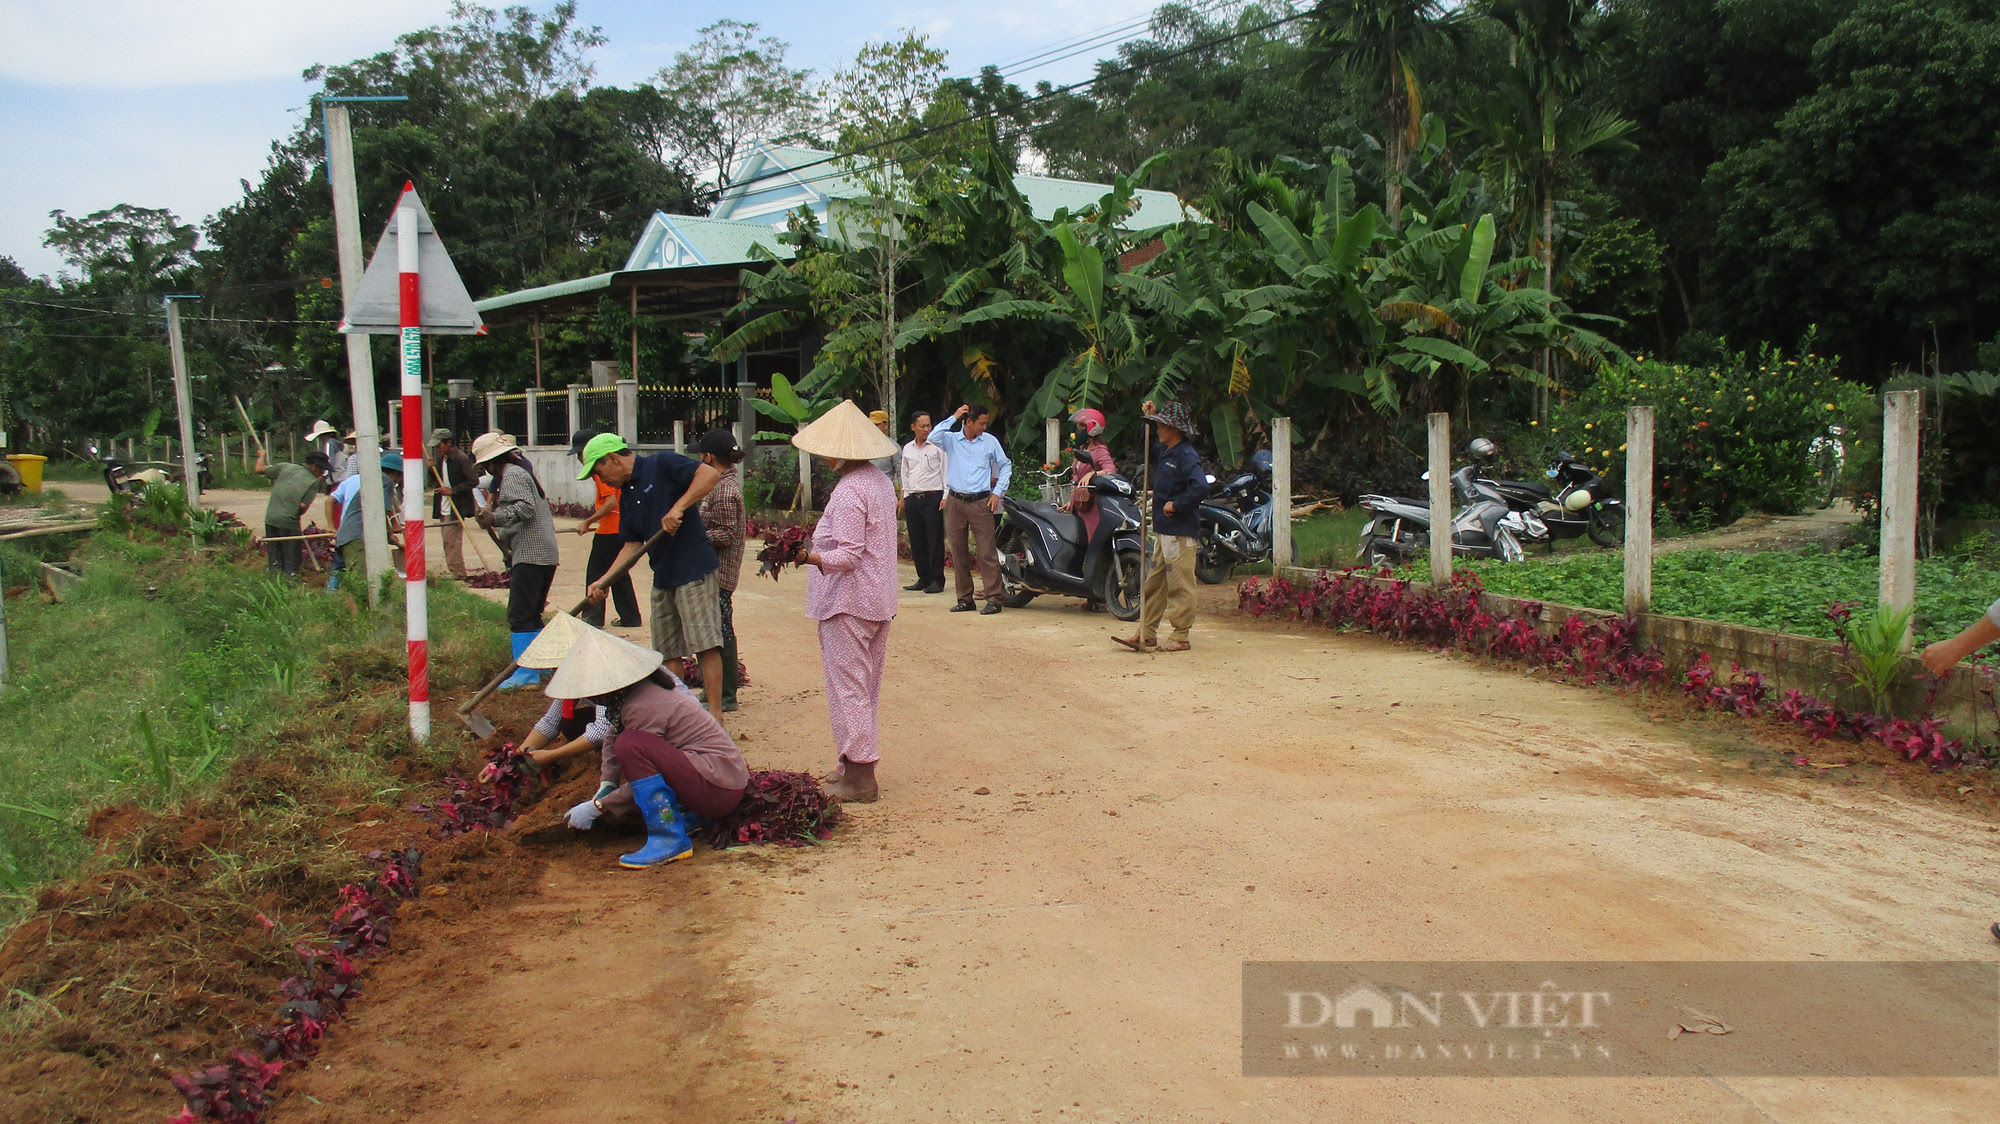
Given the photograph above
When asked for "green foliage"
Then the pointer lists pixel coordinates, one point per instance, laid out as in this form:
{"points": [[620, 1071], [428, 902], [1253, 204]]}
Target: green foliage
{"points": [[1875, 659], [1785, 590], [1727, 439], [159, 668]]}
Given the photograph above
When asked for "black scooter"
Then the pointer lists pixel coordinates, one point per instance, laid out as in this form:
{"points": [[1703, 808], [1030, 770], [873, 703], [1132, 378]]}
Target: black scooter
{"points": [[1572, 504], [1236, 522], [1042, 550]]}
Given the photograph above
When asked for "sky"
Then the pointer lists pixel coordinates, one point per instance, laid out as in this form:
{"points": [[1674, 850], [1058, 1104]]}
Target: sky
{"points": [[175, 104]]}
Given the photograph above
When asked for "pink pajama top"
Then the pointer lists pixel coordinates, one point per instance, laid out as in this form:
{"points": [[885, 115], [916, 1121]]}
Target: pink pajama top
{"points": [[856, 544]]}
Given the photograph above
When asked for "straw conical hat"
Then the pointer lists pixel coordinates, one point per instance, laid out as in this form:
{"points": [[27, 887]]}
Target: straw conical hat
{"points": [[598, 664], [844, 433], [557, 637]]}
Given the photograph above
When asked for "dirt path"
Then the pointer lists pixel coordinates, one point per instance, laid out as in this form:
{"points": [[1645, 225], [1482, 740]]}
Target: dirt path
{"points": [[1068, 944], [1825, 526]]}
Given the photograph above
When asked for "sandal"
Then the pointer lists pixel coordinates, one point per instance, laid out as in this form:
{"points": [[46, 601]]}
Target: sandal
{"points": [[1132, 642], [1175, 646]]}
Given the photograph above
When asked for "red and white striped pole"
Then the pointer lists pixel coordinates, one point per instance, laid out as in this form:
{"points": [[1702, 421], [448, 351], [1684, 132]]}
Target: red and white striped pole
{"points": [[415, 609]]}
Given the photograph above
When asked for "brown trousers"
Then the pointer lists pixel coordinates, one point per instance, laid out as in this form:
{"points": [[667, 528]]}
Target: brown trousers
{"points": [[960, 517]]}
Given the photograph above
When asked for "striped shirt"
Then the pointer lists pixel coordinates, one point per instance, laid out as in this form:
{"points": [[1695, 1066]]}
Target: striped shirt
{"points": [[723, 517], [522, 520]]}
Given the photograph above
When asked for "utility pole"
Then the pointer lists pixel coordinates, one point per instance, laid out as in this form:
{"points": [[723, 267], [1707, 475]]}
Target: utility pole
{"points": [[190, 472], [360, 363]]}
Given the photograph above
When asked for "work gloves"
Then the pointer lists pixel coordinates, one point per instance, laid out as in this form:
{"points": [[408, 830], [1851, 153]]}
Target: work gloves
{"points": [[584, 815]]}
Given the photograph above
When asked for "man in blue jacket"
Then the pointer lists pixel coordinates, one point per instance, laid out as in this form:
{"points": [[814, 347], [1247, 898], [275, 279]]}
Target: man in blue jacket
{"points": [[1179, 486]]}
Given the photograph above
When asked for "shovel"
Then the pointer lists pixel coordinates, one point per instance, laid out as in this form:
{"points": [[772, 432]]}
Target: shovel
{"points": [[482, 726]]}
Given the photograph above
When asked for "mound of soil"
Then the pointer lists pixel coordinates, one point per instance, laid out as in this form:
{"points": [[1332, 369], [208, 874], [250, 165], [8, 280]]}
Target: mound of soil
{"points": [[172, 948]]}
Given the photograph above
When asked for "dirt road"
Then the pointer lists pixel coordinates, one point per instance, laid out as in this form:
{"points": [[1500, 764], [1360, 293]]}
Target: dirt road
{"points": [[1046, 916]]}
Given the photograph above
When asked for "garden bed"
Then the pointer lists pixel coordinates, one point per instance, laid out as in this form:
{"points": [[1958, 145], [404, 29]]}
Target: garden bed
{"points": [[1784, 591]]}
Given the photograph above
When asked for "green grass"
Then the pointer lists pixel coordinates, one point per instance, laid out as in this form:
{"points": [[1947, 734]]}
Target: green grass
{"points": [[1786, 590], [1328, 539], [161, 668]]}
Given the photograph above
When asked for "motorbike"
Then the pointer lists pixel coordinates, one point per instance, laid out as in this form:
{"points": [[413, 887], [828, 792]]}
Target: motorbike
{"points": [[119, 477], [1236, 526], [1043, 549], [1571, 505], [1398, 527]]}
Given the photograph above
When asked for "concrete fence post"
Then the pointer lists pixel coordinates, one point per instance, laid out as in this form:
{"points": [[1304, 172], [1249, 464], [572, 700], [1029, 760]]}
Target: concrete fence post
{"points": [[1900, 411], [492, 410], [534, 437], [1281, 493], [1638, 510], [746, 414], [1052, 433], [1440, 465], [628, 411], [575, 410], [680, 438]]}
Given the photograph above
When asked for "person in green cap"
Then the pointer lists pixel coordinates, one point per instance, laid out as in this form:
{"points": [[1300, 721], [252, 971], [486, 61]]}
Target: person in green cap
{"points": [[662, 492]]}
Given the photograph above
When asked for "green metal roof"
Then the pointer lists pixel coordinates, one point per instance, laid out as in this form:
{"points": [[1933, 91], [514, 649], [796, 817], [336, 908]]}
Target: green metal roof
{"points": [[546, 292]]}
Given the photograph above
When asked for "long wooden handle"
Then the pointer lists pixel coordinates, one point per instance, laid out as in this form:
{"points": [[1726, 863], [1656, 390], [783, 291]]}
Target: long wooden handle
{"points": [[247, 427], [611, 575]]}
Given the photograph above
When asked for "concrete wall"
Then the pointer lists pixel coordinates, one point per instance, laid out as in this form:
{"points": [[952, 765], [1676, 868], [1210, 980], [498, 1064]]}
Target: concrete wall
{"points": [[1788, 661]]}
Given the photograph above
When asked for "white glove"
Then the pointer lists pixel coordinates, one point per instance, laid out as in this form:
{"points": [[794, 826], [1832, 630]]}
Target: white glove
{"points": [[583, 815]]}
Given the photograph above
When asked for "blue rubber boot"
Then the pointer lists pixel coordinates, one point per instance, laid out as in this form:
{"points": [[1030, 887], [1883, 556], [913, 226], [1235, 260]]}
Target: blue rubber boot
{"points": [[666, 835], [525, 676]]}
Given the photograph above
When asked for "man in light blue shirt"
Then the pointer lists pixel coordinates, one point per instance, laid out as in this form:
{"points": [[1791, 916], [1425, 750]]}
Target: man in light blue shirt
{"points": [[976, 475]]}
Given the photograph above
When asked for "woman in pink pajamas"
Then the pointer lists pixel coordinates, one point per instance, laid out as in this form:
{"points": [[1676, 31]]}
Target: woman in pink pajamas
{"points": [[851, 590]]}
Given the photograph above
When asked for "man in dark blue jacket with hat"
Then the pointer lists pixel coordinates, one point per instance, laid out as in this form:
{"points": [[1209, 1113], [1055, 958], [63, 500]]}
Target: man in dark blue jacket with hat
{"points": [[1179, 486]]}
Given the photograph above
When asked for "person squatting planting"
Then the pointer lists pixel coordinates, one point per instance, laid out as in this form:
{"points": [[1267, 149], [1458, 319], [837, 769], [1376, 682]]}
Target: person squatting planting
{"points": [[674, 756]]}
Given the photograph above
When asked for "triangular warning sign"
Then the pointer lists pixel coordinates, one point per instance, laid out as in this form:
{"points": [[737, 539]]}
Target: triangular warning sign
{"points": [[376, 309]]}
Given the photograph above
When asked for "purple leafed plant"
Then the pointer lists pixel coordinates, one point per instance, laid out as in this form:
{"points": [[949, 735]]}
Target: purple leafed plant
{"points": [[778, 807]]}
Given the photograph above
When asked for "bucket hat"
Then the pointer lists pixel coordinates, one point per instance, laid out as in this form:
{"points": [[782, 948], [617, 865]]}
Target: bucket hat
{"points": [[490, 445], [844, 433], [1176, 415], [320, 429], [553, 643], [599, 663], [392, 461]]}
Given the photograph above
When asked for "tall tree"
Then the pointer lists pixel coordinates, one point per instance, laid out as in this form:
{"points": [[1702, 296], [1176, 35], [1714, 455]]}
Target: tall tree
{"points": [[737, 88], [1379, 41], [907, 137]]}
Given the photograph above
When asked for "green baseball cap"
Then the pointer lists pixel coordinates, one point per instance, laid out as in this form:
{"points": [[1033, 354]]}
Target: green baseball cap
{"points": [[600, 446]]}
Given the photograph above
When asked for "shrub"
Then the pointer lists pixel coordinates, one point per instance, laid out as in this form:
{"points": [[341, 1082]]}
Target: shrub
{"points": [[1727, 439]]}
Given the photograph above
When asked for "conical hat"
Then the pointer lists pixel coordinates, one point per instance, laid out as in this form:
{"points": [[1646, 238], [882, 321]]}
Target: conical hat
{"points": [[844, 433], [548, 649], [598, 664]]}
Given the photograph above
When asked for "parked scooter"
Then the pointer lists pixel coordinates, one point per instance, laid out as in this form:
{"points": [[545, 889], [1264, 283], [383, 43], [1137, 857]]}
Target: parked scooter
{"points": [[1573, 503], [1399, 528], [1236, 524], [1042, 550]]}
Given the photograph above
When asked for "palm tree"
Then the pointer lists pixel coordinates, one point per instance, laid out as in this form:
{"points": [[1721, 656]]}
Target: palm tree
{"points": [[1376, 40], [1534, 135]]}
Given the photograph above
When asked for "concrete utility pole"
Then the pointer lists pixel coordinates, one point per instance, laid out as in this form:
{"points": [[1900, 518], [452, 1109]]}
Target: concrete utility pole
{"points": [[190, 472], [1638, 510], [1900, 411], [360, 362], [1440, 482]]}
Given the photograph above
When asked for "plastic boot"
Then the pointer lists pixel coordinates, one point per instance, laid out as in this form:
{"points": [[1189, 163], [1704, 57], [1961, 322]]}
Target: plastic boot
{"points": [[729, 674], [525, 676], [666, 835]]}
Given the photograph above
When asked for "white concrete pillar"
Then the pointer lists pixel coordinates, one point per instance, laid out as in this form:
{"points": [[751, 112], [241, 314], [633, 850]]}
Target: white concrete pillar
{"points": [[1638, 510], [533, 436], [1440, 466], [628, 411], [1052, 433], [1281, 493], [1901, 410]]}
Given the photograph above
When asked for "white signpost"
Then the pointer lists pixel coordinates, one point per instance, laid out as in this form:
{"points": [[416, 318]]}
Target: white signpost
{"points": [[411, 288]]}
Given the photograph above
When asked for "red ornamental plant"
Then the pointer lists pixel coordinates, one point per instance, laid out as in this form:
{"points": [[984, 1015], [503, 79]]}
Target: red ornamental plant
{"points": [[489, 579], [778, 806], [782, 547], [486, 804], [235, 1092]]}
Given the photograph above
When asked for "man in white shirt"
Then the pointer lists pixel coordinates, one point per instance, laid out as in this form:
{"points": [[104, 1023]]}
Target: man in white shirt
{"points": [[922, 505]]}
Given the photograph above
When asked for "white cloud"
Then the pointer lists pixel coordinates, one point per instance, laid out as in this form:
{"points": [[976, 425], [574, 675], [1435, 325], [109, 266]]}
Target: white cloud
{"points": [[128, 44]]}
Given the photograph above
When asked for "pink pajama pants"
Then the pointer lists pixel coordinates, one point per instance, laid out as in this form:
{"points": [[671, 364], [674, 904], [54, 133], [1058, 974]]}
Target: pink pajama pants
{"points": [[852, 652]]}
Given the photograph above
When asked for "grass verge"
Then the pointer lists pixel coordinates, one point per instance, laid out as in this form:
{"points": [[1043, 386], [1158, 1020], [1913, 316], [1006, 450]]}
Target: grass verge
{"points": [[195, 758]]}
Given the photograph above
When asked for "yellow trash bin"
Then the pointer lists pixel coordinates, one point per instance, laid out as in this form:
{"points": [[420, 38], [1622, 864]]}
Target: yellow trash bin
{"points": [[30, 467]]}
